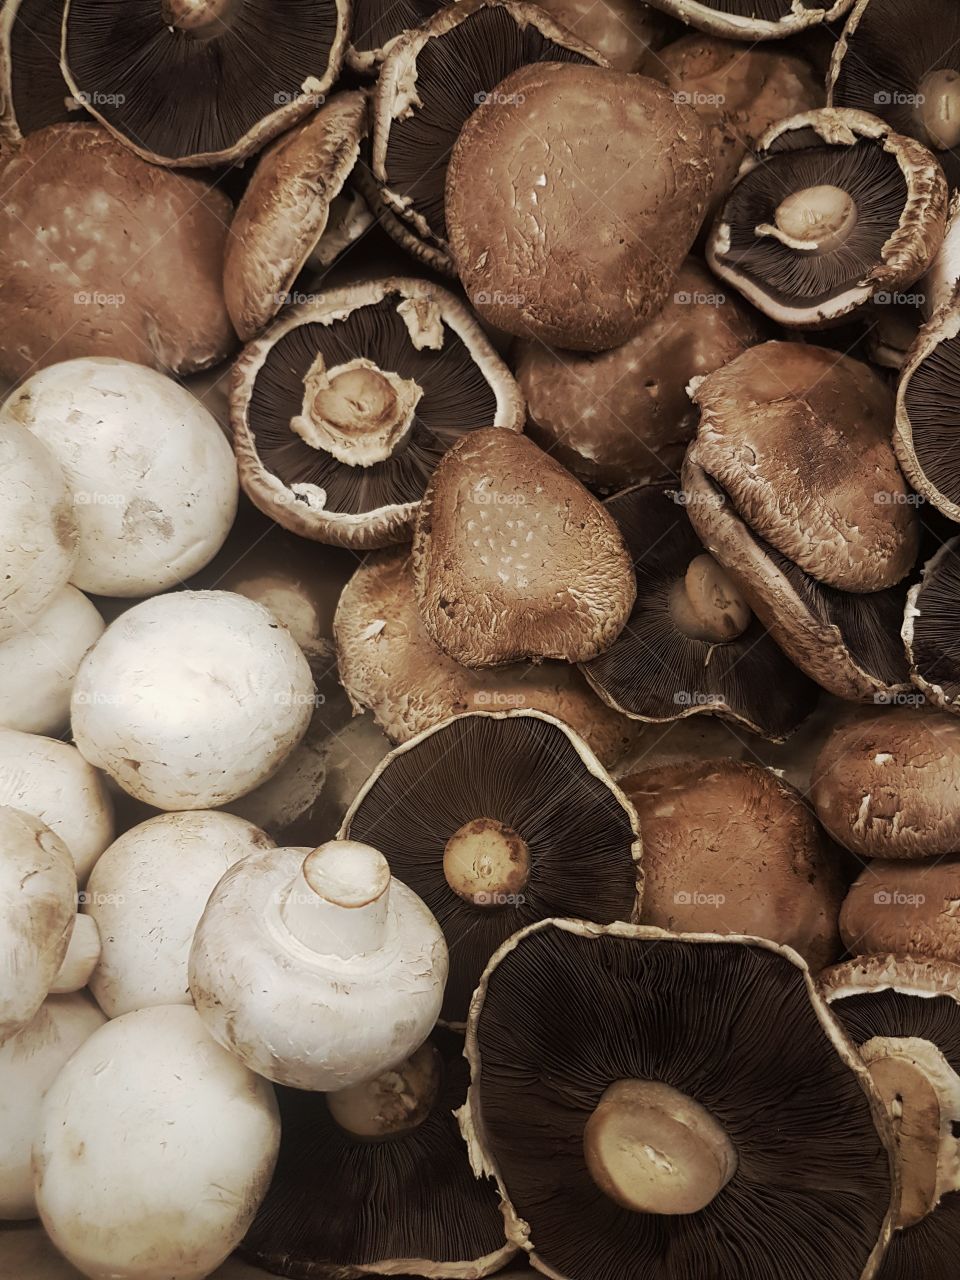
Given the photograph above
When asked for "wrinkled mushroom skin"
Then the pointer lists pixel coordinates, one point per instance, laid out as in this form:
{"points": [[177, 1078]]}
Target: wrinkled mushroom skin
{"points": [[888, 786], [907, 908], [554, 262]]}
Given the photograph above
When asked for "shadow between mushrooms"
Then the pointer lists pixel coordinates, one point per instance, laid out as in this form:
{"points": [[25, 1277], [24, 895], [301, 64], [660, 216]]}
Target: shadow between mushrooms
{"points": [[753, 19], [931, 629]]}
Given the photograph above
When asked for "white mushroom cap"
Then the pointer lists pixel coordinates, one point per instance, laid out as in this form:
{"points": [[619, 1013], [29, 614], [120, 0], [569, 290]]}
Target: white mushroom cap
{"points": [[154, 1150], [191, 699], [29, 1064], [153, 476], [316, 968], [52, 781], [147, 894], [38, 536], [38, 664]]}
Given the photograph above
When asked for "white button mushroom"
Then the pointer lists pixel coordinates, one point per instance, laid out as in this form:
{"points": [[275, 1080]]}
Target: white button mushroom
{"points": [[316, 968], [147, 894], [153, 477], [190, 700], [154, 1150]]}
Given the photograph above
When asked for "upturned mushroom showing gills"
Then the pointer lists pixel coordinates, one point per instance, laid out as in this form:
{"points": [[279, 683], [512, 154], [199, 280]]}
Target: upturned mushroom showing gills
{"points": [[376, 1180], [343, 409], [33, 93], [930, 629], [753, 19], [906, 907], [928, 413], [691, 645], [904, 1017], [316, 967], [833, 209], [202, 82], [497, 820], [679, 1106], [377, 25]]}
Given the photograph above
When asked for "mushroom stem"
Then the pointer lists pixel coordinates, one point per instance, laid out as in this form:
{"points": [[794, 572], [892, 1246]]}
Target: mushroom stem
{"points": [[395, 1102], [652, 1149], [358, 413], [814, 220], [706, 604], [939, 103], [487, 863], [337, 905], [83, 956], [201, 19]]}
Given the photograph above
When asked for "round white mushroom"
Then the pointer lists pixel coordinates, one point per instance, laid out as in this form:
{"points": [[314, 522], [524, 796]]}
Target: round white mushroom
{"points": [[192, 699]]}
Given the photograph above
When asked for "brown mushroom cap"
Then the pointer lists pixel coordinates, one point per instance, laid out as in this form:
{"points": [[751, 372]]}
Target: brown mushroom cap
{"points": [[930, 629], [623, 416], [928, 407], [753, 19], [799, 438], [729, 847], [557, 231], [889, 786], [33, 93], [906, 908], [513, 558], [104, 255]]}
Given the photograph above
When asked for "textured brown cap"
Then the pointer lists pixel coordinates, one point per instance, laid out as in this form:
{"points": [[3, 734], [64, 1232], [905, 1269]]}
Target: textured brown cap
{"points": [[907, 908]]}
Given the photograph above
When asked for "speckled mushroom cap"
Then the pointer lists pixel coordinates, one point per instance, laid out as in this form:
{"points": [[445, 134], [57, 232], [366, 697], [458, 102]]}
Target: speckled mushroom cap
{"points": [[557, 231], [388, 663], [202, 82], [798, 437], [904, 907], [833, 209], [350, 467], [928, 406], [930, 629], [287, 207], [889, 786], [753, 19], [145, 252], [430, 83], [376, 26], [584, 1041], [513, 558], [33, 93]]}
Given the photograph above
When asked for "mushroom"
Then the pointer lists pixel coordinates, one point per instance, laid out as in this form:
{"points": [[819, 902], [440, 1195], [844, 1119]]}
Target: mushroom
{"points": [[753, 19], [202, 82], [891, 328], [32, 89], [623, 416], [940, 282], [29, 1064], [190, 700], [624, 32], [376, 1178], [153, 479], [388, 663], [377, 25], [102, 254], [420, 104], [888, 786], [513, 558], [539, 253], [297, 209], [902, 1015], [929, 629], [317, 968], [38, 532], [678, 1104], [496, 820], [344, 407], [731, 848], [691, 646], [834, 209], [146, 895], [904, 907], [928, 405], [155, 1148]]}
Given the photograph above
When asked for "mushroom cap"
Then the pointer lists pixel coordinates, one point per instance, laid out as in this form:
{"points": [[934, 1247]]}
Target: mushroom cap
{"points": [[397, 324], [147, 1118], [29, 1063], [799, 438], [728, 846], [212, 96], [898, 199], [656, 672], [388, 663], [566, 1009], [889, 786], [33, 93], [145, 250], [529, 776], [905, 908], [929, 629], [286, 208], [623, 417], [541, 146], [513, 558], [753, 19], [147, 893], [153, 477], [925, 437], [190, 700], [38, 531]]}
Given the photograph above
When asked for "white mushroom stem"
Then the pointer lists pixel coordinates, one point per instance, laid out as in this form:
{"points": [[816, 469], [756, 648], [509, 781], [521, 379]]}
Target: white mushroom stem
{"points": [[338, 904], [394, 1102], [83, 955], [201, 18], [814, 220], [355, 411], [486, 863], [939, 102], [707, 605]]}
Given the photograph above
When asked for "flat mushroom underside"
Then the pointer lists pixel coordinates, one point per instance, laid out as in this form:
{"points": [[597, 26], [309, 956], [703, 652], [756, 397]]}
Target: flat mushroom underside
{"points": [[929, 1249], [931, 401], [653, 671], [526, 773], [38, 91], [935, 640], [730, 1025], [456, 398], [374, 23]]}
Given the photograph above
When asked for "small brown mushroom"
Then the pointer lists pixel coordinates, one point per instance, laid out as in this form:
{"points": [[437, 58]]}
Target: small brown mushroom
{"points": [[908, 908]]}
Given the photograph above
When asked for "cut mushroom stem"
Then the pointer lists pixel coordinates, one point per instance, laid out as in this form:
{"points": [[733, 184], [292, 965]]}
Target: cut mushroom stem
{"points": [[83, 955], [392, 1103], [653, 1149], [939, 102], [706, 604], [337, 905], [358, 413], [201, 19], [486, 863], [814, 220]]}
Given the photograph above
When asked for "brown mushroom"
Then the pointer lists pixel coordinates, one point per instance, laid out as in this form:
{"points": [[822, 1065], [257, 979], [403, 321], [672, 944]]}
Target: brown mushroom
{"points": [[33, 92], [930, 629], [377, 25], [754, 19], [928, 404], [908, 908]]}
